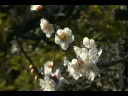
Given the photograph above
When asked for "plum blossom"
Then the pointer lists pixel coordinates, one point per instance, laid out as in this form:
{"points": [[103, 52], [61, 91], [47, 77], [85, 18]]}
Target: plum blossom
{"points": [[46, 27], [48, 67], [73, 68], [64, 37], [36, 7], [87, 58], [89, 43], [47, 84], [51, 81]]}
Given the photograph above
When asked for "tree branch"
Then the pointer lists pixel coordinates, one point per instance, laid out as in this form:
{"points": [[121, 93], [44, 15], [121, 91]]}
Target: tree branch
{"points": [[29, 59], [113, 62]]}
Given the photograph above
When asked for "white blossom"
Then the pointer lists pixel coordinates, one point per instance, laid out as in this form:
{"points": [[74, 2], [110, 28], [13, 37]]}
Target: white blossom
{"points": [[46, 27], [36, 7], [47, 84], [89, 43], [79, 50], [64, 38], [52, 81], [73, 69], [48, 67], [89, 56]]}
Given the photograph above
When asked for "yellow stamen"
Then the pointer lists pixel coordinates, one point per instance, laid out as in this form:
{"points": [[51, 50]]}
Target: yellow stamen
{"points": [[50, 66], [45, 25], [63, 36], [79, 63]]}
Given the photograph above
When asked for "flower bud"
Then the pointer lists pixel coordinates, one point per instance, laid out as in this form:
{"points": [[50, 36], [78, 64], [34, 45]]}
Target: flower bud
{"points": [[32, 71], [31, 66], [36, 77]]}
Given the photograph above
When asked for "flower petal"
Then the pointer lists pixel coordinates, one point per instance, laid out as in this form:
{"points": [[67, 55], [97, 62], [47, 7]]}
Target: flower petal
{"points": [[86, 42], [74, 61], [67, 31], [92, 43], [92, 76], [47, 70], [59, 31], [94, 59], [64, 46], [57, 40], [99, 52], [92, 52], [48, 35], [71, 38]]}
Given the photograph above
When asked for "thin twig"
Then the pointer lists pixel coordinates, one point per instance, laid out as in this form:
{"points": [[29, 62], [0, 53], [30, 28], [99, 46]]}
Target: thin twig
{"points": [[113, 62], [29, 59]]}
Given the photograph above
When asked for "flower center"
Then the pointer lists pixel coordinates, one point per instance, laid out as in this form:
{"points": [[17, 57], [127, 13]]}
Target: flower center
{"points": [[63, 36], [50, 66], [79, 63], [40, 8], [45, 27]]}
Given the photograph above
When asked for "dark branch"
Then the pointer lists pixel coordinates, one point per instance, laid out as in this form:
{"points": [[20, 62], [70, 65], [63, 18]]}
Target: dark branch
{"points": [[26, 55], [113, 62]]}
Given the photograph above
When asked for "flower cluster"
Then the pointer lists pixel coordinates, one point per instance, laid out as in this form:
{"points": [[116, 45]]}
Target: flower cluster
{"points": [[85, 63], [62, 37], [51, 81]]}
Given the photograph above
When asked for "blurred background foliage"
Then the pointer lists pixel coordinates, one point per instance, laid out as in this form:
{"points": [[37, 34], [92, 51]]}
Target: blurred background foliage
{"points": [[93, 21]]}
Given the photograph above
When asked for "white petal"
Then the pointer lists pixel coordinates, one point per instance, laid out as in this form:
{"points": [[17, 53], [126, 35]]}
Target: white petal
{"points": [[99, 52], [92, 52], [92, 43], [59, 31], [94, 59], [78, 50], [64, 46], [43, 21], [86, 42], [92, 76], [74, 61], [47, 70], [67, 31], [83, 56], [71, 38], [48, 35], [34, 7], [76, 75], [57, 40], [85, 50]]}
